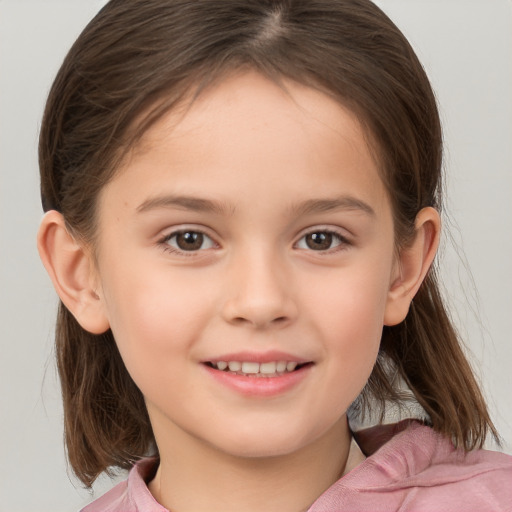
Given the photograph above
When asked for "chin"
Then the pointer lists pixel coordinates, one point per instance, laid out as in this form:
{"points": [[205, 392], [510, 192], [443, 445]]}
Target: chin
{"points": [[265, 443]]}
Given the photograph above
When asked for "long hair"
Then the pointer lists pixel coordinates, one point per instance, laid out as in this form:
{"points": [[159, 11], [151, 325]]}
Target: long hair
{"points": [[138, 59]]}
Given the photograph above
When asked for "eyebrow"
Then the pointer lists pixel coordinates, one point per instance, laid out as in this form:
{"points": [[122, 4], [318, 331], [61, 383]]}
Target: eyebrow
{"points": [[185, 203], [311, 206]]}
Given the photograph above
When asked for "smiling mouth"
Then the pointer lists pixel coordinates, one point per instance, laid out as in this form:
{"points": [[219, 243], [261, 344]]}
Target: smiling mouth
{"points": [[254, 369]]}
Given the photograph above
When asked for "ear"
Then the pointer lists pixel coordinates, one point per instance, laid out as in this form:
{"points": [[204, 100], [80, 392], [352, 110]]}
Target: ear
{"points": [[71, 270], [413, 263]]}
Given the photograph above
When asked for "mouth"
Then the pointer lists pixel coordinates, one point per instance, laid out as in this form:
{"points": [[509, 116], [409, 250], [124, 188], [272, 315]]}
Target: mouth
{"points": [[270, 369], [259, 375]]}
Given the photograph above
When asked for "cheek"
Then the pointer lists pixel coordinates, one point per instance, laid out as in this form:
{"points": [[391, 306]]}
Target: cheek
{"points": [[154, 318], [352, 300], [350, 310]]}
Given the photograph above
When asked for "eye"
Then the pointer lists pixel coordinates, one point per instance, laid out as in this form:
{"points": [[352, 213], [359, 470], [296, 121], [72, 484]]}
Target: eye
{"points": [[188, 241], [321, 240]]}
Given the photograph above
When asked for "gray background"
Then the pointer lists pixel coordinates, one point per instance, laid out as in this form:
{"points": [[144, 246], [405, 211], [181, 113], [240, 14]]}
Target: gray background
{"points": [[466, 47]]}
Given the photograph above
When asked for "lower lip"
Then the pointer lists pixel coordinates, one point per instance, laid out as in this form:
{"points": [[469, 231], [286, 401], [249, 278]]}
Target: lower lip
{"points": [[260, 386]]}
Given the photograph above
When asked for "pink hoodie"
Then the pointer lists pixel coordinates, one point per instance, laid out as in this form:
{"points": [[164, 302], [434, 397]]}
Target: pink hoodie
{"points": [[416, 470]]}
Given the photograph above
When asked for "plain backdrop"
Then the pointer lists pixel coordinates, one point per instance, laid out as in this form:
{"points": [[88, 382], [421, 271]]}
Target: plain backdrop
{"points": [[466, 47]]}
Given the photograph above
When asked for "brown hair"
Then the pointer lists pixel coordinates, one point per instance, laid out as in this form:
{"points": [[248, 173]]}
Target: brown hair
{"points": [[136, 60]]}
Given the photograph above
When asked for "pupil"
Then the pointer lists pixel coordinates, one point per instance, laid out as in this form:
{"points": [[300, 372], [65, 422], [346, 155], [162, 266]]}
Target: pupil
{"points": [[189, 241], [319, 241]]}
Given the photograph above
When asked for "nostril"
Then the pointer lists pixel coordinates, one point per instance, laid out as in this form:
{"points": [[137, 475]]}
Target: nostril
{"points": [[241, 320], [260, 322]]}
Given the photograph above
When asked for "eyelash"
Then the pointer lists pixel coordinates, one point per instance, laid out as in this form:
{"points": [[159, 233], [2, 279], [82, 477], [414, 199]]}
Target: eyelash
{"points": [[342, 242], [164, 242]]}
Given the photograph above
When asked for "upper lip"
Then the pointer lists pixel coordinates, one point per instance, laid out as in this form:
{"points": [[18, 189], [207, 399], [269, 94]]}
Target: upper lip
{"points": [[258, 357]]}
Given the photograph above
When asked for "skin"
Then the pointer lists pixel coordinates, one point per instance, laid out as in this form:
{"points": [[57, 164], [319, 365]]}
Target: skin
{"points": [[269, 168]]}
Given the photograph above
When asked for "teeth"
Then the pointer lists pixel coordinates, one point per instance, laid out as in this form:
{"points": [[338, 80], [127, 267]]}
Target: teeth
{"points": [[250, 367], [268, 367], [234, 366], [253, 368]]}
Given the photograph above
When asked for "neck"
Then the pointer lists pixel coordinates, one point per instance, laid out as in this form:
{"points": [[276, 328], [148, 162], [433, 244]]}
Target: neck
{"points": [[287, 483]]}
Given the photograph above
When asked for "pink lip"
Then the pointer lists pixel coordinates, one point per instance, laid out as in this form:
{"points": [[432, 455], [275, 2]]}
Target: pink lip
{"points": [[255, 357], [259, 387]]}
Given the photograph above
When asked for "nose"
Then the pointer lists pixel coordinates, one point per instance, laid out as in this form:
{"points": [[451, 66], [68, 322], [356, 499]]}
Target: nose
{"points": [[260, 293]]}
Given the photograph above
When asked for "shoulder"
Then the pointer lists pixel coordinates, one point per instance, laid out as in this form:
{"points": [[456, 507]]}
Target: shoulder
{"points": [[132, 495], [113, 501], [420, 470], [439, 475]]}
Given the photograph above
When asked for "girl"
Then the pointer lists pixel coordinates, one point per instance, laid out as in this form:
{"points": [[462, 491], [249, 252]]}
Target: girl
{"points": [[242, 206]]}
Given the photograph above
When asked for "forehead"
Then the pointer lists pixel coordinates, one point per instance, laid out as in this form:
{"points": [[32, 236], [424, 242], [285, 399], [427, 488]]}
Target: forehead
{"points": [[247, 122], [242, 94]]}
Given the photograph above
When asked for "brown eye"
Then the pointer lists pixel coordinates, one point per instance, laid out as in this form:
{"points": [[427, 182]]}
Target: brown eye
{"points": [[188, 241], [319, 241], [322, 241]]}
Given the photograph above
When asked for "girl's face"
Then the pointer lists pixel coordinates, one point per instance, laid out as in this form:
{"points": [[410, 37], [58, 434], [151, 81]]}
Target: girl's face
{"points": [[254, 231]]}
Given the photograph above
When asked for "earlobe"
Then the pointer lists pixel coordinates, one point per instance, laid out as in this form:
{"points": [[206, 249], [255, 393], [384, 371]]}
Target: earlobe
{"points": [[71, 270], [413, 264]]}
